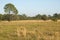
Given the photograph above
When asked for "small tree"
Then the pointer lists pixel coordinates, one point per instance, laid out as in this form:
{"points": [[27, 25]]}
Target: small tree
{"points": [[55, 17], [8, 8], [38, 17], [44, 17]]}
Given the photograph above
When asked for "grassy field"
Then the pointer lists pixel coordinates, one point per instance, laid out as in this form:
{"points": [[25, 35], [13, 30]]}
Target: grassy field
{"points": [[29, 30]]}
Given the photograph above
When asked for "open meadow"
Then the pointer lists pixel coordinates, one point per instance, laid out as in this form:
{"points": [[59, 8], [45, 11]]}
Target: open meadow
{"points": [[29, 30]]}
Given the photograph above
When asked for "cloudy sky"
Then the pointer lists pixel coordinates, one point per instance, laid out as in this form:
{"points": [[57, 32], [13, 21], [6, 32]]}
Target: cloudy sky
{"points": [[33, 7]]}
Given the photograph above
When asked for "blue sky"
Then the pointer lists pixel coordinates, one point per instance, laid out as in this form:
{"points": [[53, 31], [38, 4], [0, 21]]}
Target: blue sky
{"points": [[33, 7]]}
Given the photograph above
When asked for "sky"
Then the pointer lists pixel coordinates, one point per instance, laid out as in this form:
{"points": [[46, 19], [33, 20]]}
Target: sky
{"points": [[33, 7]]}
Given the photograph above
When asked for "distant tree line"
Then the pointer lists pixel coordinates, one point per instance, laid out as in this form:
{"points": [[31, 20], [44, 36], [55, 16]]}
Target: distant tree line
{"points": [[11, 13], [55, 17]]}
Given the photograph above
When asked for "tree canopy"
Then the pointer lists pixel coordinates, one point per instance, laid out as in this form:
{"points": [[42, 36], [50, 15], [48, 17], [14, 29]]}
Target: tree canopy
{"points": [[10, 8]]}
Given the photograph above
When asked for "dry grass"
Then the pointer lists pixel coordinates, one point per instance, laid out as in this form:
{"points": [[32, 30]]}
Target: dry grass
{"points": [[30, 30]]}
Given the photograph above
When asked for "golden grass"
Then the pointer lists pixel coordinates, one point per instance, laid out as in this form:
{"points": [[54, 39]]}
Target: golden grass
{"points": [[30, 30]]}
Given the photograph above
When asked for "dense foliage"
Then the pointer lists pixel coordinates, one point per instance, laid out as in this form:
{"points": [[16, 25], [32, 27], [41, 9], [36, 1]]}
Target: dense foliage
{"points": [[55, 17]]}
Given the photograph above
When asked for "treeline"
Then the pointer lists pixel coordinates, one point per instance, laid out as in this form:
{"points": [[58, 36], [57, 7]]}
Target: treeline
{"points": [[11, 13], [10, 17]]}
